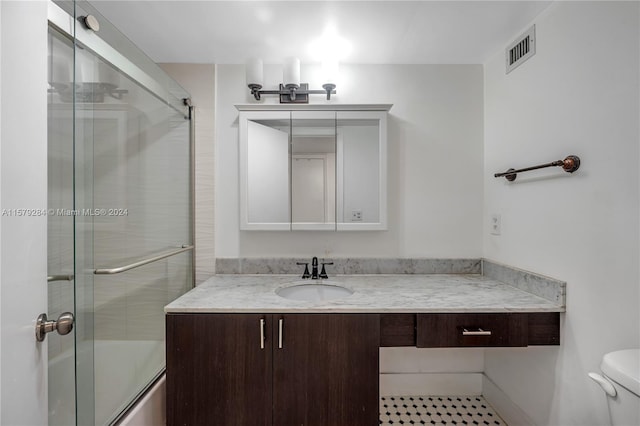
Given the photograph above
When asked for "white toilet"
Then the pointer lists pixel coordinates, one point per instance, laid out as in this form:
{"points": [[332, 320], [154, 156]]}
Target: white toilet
{"points": [[621, 383]]}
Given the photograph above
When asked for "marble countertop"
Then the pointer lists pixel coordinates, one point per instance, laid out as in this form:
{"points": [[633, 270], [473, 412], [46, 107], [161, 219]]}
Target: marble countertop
{"points": [[403, 293]]}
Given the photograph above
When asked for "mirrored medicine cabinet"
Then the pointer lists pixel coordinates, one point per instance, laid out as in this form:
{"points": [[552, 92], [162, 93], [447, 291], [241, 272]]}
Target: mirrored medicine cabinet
{"points": [[320, 169]]}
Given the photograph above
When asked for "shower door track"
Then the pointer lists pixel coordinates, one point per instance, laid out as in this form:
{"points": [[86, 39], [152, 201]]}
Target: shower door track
{"points": [[64, 23]]}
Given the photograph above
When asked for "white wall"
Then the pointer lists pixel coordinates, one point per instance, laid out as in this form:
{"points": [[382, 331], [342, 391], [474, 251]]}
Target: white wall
{"points": [[435, 163], [23, 265], [199, 81], [577, 95], [0, 205]]}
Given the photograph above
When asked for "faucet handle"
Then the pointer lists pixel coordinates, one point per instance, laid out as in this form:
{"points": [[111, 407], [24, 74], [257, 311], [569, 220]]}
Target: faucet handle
{"points": [[323, 272], [306, 273]]}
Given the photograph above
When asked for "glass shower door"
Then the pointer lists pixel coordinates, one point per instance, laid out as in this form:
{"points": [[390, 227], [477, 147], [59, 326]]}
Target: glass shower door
{"points": [[134, 181], [133, 189], [120, 241]]}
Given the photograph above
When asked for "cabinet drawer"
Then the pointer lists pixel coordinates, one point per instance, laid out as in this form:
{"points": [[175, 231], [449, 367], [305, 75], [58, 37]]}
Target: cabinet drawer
{"points": [[471, 330], [397, 330]]}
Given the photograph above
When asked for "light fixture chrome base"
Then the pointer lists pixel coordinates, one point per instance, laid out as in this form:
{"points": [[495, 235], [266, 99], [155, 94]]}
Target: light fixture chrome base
{"points": [[329, 88], [255, 90], [292, 94]]}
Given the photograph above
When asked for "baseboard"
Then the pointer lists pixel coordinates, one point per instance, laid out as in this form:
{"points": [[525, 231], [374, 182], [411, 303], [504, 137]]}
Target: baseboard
{"points": [[504, 406], [150, 409], [395, 384]]}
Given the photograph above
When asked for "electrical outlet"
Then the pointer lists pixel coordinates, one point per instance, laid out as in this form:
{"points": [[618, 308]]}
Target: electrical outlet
{"points": [[356, 216], [495, 224]]}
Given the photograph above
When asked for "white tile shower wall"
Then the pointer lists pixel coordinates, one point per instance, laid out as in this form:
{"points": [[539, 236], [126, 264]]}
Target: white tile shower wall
{"points": [[578, 95], [138, 154], [435, 126], [199, 81]]}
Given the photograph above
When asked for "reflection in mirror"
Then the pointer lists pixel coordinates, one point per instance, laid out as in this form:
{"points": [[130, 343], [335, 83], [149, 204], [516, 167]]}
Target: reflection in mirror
{"points": [[268, 171], [360, 172], [313, 171]]}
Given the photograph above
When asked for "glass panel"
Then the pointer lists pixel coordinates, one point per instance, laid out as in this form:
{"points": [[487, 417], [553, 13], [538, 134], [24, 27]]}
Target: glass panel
{"points": [[60, 245], [133, 201], [313, 170], [136, 169], [130, 332], [359, 170]]}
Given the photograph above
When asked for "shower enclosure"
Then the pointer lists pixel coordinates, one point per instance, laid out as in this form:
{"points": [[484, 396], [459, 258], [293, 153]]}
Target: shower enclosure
{"points": [[120, 228]]}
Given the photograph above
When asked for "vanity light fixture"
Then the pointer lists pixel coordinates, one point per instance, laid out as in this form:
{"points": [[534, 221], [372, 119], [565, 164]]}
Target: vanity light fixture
{"points": [[291, 90]]}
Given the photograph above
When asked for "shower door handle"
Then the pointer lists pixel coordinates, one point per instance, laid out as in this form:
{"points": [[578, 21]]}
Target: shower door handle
{"points": [[63, 325]]}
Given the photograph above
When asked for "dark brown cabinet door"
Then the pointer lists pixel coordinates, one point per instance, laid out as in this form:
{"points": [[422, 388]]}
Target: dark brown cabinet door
{"points": [[325, 369], [217, 371]]}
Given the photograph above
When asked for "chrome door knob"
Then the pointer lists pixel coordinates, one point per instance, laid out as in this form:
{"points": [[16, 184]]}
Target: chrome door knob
{"points": [[63, 325]]}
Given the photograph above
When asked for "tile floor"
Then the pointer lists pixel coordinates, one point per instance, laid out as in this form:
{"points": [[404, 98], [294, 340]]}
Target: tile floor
{"points": [[437, 410]]}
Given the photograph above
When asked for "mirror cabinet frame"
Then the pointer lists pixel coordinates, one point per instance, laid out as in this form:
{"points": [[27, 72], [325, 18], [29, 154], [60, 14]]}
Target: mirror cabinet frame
{"points": [[276, 112]]}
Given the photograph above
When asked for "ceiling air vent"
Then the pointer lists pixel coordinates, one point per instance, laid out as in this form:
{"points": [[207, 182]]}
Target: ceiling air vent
{"points": [[521, 49]]}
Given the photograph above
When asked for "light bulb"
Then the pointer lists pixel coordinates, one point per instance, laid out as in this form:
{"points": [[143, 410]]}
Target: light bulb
{"points": [[329, 71], [291, 72], [254, 72]]}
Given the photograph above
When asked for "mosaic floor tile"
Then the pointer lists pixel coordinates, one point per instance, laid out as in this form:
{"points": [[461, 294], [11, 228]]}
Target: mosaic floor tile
{"points": [[437, 410]]}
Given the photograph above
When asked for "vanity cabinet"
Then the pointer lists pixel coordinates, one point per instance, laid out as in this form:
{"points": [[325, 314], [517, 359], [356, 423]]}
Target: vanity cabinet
{"points": [[272, 369]]}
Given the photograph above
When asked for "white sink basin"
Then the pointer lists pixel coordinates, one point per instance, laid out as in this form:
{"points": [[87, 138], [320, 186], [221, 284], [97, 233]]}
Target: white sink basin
{"points": [[314, 292]]}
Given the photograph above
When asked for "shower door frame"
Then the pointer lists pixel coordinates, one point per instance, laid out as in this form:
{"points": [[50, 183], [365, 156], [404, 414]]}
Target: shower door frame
{"points": [[66, 24]]}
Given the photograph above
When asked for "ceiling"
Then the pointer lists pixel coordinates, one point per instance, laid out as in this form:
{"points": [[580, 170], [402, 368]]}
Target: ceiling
{"points": [[380, 32]]}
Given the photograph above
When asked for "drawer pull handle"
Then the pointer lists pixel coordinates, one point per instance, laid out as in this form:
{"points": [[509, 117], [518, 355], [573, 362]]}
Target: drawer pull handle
{"points": [[478, 332], [280, 326], [261, 333]]}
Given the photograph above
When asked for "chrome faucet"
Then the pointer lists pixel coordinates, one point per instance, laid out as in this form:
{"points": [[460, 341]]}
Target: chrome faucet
{"points": [[314, 268], [306, 273]]}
